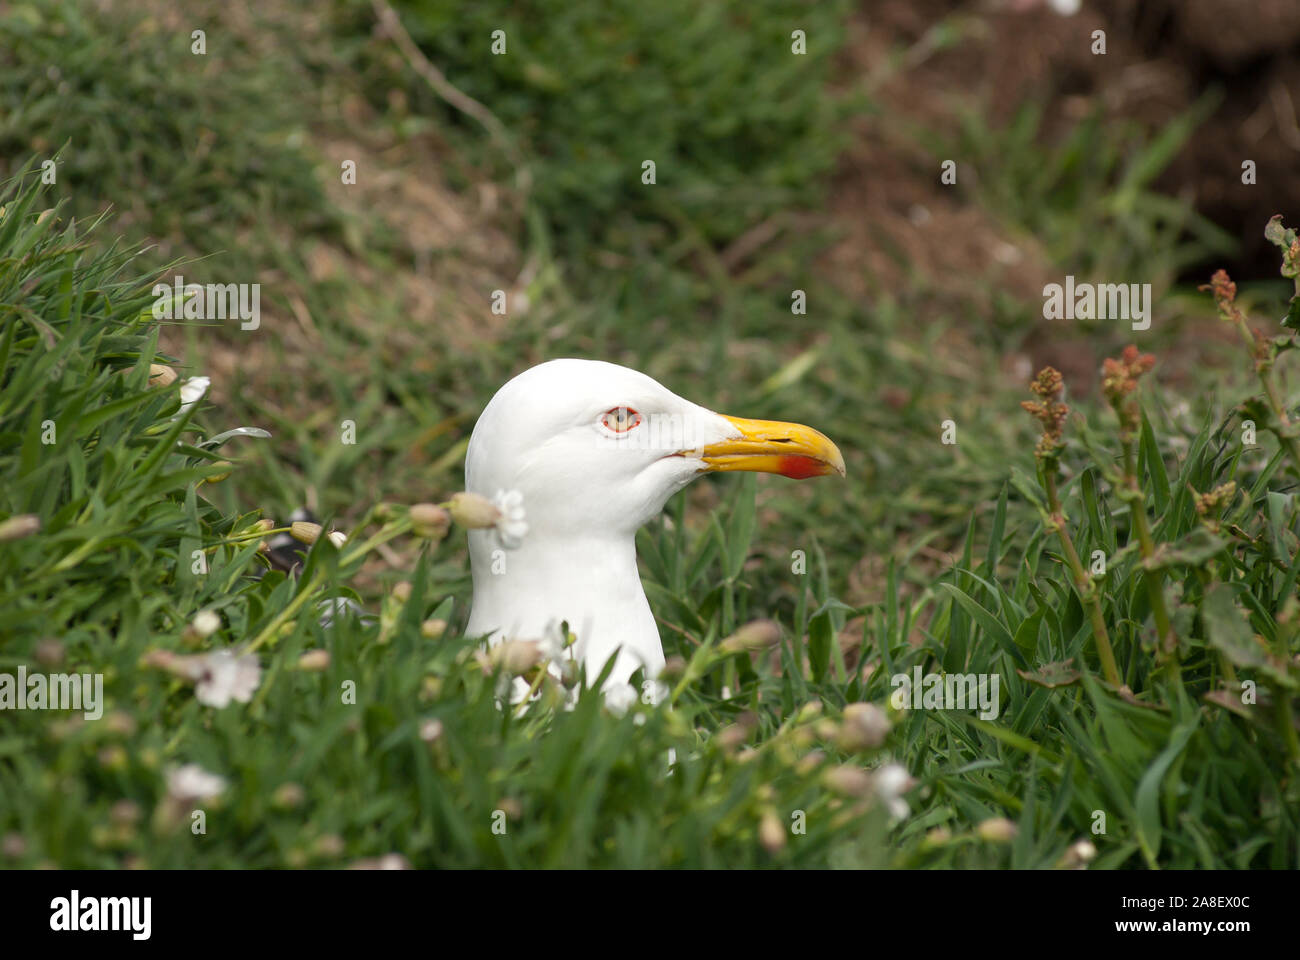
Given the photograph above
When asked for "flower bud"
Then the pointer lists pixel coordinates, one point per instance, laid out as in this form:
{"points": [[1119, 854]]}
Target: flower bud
{"points": [[49, 652], [329, 845], [1077, 856], [864, 728], [847, 780], [161, 375], [337, 538], [314, 661], [402, 591], [474, 512], [19, 526], [120, 722], [771, 832], [288, 796], [430, 521], [997, 830], [809, 711], [218, 477], [304, 531], [389, 861], [515, 657], [433, 629], [124, 812], [205, 624], [113, 757], [731, 736], [755, 635], [936, 837], [673, 667], [265, 525], [13, 846]]}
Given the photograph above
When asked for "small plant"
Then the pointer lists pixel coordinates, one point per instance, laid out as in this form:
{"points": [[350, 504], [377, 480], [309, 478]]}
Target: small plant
{"points": [[1051, 412], [1195, 597]]}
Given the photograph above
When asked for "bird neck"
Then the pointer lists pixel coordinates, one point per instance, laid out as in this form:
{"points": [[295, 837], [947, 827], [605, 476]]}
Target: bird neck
{"points": [[589, 581]]}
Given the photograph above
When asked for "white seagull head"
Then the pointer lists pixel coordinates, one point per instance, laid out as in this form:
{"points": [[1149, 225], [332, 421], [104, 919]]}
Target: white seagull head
{"points": [[596, 450]]}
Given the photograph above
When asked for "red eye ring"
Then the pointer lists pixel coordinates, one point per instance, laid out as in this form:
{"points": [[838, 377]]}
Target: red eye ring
{"points": [[620, 419]]}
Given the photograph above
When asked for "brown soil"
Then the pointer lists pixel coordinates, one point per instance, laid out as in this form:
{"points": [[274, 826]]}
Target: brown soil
{"points": [[900, 229]]}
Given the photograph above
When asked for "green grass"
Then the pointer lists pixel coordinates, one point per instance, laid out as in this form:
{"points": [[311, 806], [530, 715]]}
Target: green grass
{"points": [[186, 147], [930, 555], [737, 124], [110, 577]]}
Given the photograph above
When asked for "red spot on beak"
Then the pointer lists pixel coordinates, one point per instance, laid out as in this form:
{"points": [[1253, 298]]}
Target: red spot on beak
{"points": [[801, 468]]}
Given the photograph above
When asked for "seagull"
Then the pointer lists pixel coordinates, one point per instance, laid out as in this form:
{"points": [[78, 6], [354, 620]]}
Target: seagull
{"points": [[596, 449]]}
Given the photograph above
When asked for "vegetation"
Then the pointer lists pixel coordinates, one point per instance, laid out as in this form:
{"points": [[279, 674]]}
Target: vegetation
{"points": [[1130, 581]]}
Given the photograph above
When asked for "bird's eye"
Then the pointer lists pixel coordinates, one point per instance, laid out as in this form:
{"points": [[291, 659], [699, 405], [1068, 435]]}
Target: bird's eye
{"points": [[620, 419]]}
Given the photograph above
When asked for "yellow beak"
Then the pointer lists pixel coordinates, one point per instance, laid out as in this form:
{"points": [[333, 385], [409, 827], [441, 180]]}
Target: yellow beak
{"points": [[770, 446]]}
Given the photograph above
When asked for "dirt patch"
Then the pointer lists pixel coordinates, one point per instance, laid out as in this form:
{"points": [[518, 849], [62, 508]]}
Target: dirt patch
{"points": [[1161, 57], [901, 230], [417, 260]]}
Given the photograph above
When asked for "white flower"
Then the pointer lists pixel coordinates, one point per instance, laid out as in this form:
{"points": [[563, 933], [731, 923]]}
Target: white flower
{"points": [[337, 538], [891, 782], [620, 697], [192, 391], [205, 623], [1078, 855], [220, 677], [191, 782], [510, 528]]}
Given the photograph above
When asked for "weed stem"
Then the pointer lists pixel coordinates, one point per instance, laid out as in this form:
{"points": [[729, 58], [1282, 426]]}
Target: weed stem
{"points": [[1087, 589]]}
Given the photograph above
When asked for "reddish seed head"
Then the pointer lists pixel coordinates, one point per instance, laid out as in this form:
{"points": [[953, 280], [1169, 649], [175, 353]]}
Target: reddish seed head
{"points": [[1049, 411], [1225, 295], [1119, 378]]}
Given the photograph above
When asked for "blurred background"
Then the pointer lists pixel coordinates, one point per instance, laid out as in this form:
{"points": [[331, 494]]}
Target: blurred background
{"points": [[775, 172]]}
